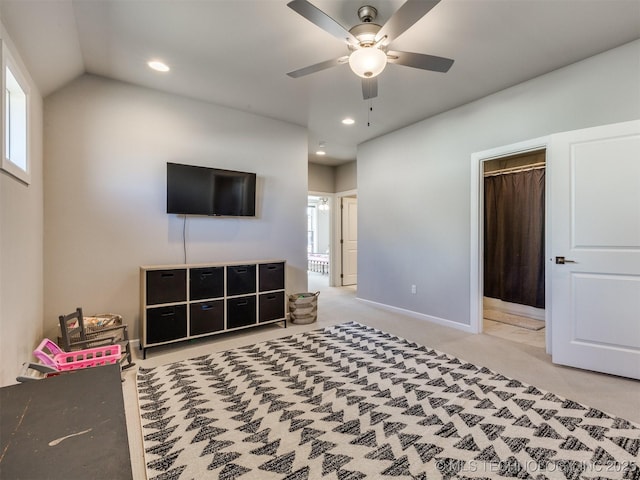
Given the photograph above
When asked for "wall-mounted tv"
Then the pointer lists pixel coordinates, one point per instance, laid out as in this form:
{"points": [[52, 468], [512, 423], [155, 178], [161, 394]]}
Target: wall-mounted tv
{"points": [[193, 190]]}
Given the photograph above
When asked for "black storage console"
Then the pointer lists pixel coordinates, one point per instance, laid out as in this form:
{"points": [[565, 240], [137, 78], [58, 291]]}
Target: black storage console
{"points": [[180, 302]]}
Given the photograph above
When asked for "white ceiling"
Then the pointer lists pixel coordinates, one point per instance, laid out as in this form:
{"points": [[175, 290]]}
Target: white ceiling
{"points": [[237, 53]]}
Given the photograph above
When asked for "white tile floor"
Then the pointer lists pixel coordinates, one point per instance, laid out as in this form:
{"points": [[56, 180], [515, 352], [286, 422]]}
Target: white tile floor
{"points": [[528, 363]]}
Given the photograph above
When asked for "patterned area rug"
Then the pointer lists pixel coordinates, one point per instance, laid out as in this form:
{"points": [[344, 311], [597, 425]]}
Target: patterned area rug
{"points": [[351, 402]]}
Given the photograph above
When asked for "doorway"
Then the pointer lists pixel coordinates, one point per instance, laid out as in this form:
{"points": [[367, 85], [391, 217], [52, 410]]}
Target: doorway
{"points": [[332, 239], [318, 241], [477, 300], [592, 259], [513, 281]]}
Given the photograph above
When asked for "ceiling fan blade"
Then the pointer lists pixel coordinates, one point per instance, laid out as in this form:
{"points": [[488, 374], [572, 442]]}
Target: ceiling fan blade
{"points": [[369, 88], [318, 66], [322, 20], [419, 60], [408, 14]]}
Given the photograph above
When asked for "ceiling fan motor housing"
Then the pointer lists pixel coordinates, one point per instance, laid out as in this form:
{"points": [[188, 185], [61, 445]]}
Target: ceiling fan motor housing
{"points": [[367, 13], [365, 33]]}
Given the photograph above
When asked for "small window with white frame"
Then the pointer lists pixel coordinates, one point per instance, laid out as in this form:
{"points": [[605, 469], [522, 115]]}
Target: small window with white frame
{"points": [[15, 104]]}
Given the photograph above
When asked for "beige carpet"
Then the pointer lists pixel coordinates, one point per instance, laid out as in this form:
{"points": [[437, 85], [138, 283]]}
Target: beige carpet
{"points": [[516, 320]]}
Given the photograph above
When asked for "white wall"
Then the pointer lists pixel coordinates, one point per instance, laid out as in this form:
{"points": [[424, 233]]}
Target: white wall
{"points": [[21, 280], [413, 184], [324, 230], [106, 148]]}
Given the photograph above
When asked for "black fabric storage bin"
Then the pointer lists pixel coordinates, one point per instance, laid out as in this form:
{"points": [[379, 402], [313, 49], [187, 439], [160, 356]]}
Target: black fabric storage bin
{"points": [[166, 323], [206, 317], [166, 286], [241, 311], [241, 279], [206, 283], [271, 276], [271, 306]]}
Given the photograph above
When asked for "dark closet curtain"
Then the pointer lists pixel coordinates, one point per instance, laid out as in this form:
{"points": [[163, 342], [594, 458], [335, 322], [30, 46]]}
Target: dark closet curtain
{"points": [[514, 237]]}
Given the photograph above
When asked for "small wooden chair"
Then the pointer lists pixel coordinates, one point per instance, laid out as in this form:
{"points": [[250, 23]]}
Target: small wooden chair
{"points": [[75, 336]]}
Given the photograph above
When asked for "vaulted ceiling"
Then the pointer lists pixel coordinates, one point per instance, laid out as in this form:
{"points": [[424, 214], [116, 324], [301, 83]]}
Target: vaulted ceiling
{"points": [[237, 53]]}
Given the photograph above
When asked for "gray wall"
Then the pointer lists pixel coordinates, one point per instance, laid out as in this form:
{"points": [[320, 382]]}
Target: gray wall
{"points": [[21, 237], [321, 178], [346, 177], [106, 148], [332, 179], [413, 184]]}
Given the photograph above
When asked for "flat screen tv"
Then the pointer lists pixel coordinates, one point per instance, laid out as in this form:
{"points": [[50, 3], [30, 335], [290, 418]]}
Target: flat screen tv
{"points": [[193, 190]]}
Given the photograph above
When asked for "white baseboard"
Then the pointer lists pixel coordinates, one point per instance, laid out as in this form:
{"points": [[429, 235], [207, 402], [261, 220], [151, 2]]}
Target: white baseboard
{"points": [[514, 308], [420, 316]]}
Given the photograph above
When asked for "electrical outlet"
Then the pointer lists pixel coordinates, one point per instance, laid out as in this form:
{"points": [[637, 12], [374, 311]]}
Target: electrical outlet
{"points": [[414, 290]]}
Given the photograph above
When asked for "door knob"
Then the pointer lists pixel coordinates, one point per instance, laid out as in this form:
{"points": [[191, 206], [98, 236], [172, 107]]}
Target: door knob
{"points": [[562, 261]]}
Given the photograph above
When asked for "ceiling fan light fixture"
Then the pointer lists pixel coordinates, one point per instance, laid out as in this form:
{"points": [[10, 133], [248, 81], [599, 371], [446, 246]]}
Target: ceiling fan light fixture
{"points": [[368, 62]]}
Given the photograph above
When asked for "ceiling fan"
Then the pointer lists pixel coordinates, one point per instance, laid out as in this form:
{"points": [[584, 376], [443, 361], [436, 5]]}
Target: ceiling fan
{"points": [[369, 42]]}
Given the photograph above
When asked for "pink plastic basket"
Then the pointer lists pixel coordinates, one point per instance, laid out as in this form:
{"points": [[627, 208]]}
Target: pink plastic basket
{"points": [[90, 357]]}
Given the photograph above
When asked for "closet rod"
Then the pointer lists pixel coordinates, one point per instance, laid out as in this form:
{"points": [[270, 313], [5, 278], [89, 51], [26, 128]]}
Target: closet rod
{"points": [[521, 168]]}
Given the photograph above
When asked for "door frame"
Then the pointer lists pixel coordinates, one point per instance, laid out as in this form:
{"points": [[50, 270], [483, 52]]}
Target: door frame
{"points": [[336, 263], [477, 229]]}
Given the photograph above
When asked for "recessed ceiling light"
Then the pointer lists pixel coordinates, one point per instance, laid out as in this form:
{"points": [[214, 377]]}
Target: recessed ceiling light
{"points": [[158, 66], [321, 152], [348, 121]]}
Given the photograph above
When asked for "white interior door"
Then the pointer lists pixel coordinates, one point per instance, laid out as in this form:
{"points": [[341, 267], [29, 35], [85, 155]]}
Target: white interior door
{"points": [[349, 241], [595, 226]]}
